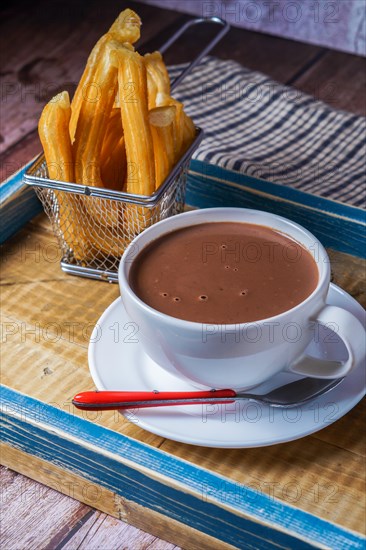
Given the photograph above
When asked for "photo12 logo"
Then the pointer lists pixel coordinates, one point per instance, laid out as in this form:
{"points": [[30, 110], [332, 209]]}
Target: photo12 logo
{"points": [[253, 491], [252, 251], [70, 331], [251, 412], [270, 332], [266, 12]]}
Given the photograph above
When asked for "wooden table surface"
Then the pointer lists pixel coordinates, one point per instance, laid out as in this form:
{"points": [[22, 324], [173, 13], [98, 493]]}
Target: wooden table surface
{"points": [[46, 46]]}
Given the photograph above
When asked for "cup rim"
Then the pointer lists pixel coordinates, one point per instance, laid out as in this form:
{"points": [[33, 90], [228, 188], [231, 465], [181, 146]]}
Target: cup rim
{"points": [[124, 284]]}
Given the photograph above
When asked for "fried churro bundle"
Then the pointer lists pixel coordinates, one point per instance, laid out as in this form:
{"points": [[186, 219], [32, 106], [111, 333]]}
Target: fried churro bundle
{"points": [[78, 229], [183, 127], [161, 124], [53, 128], [113, 133], [132, 89], [123, 132], [90, 117], [126, 28], [55, 141], [94, 117], [158, 84], [158, 81], [113, 165], [90, 133]]}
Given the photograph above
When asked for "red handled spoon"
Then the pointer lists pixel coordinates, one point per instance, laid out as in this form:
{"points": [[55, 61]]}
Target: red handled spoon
{"points": [[290, 395]]}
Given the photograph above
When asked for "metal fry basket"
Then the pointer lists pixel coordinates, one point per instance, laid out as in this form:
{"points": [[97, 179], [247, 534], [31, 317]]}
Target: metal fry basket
{"points": [[94, 225]]}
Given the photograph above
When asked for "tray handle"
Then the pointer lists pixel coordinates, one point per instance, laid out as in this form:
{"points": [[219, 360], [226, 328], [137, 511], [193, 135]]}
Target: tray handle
{"points": [[197, 21]]}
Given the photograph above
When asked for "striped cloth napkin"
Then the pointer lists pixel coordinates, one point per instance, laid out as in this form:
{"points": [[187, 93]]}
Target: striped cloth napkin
{"points": [[270, 131]]}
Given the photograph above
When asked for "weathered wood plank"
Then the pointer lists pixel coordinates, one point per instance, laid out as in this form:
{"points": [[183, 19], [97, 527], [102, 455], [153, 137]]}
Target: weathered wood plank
{"points": [[338, 79], [33, 515], [15, 157], [51, 363], [349, 272], [18, 205], [53, 322], [77, 526], [339, 434], [108, 502], [102, 531], [46, 52], [281, 59], [276, 57], [319, 477]]}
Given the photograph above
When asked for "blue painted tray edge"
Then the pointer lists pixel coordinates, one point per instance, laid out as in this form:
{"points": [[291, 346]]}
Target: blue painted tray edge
{"points": [[339, 226]]}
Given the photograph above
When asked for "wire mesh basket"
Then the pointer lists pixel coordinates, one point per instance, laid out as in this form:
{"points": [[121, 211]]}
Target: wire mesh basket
{"points": [[94, 225]]}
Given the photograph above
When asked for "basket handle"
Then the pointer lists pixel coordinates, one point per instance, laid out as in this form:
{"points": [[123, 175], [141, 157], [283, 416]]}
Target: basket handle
{"points": [[197, 21]]}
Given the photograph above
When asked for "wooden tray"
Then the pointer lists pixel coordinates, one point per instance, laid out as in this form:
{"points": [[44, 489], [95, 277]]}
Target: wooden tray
{"points": [[304, 494]]}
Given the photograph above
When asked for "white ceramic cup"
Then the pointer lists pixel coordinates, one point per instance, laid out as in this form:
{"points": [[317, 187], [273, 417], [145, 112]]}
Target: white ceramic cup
{"points": [[243, 355]]}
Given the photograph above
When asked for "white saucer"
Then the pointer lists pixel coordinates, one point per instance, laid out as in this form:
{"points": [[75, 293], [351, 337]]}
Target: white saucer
{"points": [[117, 362]]}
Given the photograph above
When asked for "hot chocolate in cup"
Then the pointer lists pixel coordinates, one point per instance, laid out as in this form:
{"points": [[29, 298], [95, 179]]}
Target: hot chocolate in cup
{"points": [[217, 349]]}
